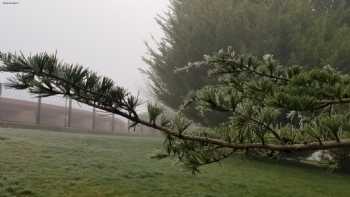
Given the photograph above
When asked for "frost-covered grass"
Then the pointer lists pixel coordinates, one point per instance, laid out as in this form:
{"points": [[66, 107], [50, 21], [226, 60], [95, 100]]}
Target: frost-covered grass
{"points": [[51, 164]]}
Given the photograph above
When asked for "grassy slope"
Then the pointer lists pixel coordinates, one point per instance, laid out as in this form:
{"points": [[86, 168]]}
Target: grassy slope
{"points": [[48, 164]]}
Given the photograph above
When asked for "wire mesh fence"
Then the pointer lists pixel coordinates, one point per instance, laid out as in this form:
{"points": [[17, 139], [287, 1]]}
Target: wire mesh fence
{"points": [[20, 109]]}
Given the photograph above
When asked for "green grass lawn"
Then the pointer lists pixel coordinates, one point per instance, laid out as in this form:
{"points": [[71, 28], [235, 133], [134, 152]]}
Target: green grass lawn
{"points": [[51, 164]]}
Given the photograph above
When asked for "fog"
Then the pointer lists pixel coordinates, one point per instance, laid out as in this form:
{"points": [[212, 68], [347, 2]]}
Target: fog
{"points": [[107, 36]]}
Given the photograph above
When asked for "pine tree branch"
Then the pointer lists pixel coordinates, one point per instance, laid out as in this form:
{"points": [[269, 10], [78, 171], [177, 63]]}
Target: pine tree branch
{"points": [[216, 107], [246, 68], [295, 147], [80, 95], [335, 101]]}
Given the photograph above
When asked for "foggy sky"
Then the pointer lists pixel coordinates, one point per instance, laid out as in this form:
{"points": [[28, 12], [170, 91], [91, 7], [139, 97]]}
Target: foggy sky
{"points": [[107, 36]]}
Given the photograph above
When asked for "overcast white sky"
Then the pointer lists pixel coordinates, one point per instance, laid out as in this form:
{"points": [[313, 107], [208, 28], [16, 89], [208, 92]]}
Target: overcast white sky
{"points": [[106, 35]]}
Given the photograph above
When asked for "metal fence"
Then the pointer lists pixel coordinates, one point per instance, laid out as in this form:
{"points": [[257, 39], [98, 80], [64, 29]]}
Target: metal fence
{"points": [[59, 113]]}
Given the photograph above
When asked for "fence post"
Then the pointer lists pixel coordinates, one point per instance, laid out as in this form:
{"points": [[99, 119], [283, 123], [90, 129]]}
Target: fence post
{"points": [[0, 89], [93, 119], [38, 111], [113, 126], [65, 112], [69, 122]]}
